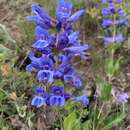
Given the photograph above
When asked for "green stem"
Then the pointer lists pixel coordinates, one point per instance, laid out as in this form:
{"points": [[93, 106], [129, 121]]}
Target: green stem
{"points": [[100, 110], [94, 115]]}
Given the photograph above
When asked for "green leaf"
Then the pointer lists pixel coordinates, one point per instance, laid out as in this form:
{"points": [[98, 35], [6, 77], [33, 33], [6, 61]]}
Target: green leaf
{"points": [[87, 125], [70, 121], [110, 67], [2, 95], [117, 66], [105, 89], [113, 120], [5, 36]]}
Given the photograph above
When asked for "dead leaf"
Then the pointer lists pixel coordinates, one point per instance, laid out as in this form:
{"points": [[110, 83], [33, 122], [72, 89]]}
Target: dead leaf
{"points": [[5, 69], [13, 96]]}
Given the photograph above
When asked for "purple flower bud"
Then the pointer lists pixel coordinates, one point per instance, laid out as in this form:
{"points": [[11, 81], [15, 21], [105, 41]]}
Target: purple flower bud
{"points": [[122, 98]]}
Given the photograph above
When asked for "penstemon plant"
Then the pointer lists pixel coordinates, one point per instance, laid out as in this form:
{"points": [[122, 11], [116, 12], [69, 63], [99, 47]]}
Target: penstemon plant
{"points": [[53, 55], [114, 19]]}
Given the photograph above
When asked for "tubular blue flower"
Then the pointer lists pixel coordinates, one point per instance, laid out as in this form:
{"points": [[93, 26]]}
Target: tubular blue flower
{"points": [[41, 44], [62, 40], [122, 22], [64, 67], [37, 20], [117, 39], [106, 12], [36, 9], [41, 63], [83, 99], [112, 8], [44, 42], [73, 38], [66, 40], [41, 18], [55, 100], [38, 90], [38, 101], [77, 50], [57, 90], [57, 96], [107, 23], [42, 34], [73, 79], [121, 12], [76, 16], [64, 12], [45, 75]]}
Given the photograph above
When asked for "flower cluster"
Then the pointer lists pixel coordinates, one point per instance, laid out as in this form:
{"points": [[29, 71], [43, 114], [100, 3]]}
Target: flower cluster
{"points": [[113, 17], [55, 53]]}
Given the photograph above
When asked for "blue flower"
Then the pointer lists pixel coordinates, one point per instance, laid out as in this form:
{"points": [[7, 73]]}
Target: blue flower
{"points": [[38, 21], [106, 12], [39, 90], [38, 101], [76, 16], [40, 63], [121, 12], [55, 100], [111, 9], [41, 33], [44, 42], [77, 50], [107, 23], [116, 39], [122, 22], [74, 38], [64, 12], [45, 75], [83, 99], [62, 40], [64, 68], [57, 90], [57, 96], [41, 44], [41, 18], [72, 79]]}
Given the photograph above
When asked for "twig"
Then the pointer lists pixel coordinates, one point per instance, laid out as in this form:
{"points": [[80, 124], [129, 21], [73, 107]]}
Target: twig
{"points": [[127, 128]]}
